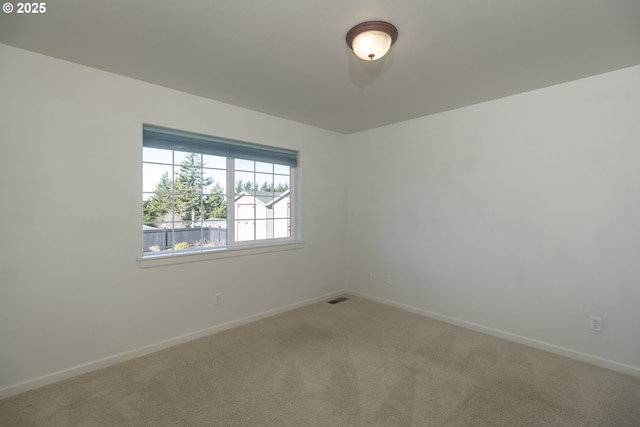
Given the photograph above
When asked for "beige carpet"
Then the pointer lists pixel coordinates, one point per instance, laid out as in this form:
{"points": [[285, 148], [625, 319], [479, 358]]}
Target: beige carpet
{"points": [[356, 363]]}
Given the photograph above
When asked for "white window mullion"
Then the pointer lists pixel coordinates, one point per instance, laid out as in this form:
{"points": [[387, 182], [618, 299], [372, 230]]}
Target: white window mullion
{"points": [[295, 203], [255, 202], [201, 213], [231, 205], [172, 240]]}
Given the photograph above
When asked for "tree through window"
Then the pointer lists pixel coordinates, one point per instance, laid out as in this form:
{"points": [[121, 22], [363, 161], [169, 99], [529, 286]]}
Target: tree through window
{"points": [[202, 193]]}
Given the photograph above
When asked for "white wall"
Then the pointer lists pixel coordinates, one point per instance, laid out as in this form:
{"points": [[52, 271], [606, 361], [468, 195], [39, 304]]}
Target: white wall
{"points": [[519, 217], [70, 162]]}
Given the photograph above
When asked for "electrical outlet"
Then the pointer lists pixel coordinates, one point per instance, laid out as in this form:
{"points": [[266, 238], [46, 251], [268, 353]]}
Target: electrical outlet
{"points": [[596, 324], [387, 279], [218, 296]]}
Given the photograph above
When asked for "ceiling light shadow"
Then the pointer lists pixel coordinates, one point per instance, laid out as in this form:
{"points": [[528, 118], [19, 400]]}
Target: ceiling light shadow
{"points": [[364, 73]]}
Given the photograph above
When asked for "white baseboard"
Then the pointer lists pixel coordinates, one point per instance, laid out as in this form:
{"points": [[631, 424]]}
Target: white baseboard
{"points": [[127, 355], [562, 351]]}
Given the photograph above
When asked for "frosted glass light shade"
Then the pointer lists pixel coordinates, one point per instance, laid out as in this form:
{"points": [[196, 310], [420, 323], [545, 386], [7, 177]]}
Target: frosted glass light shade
{"points": [[372, 40], [371, 45]]}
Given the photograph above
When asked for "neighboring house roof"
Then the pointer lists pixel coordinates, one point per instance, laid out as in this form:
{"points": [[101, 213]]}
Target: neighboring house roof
{"points": [[267, 198]]}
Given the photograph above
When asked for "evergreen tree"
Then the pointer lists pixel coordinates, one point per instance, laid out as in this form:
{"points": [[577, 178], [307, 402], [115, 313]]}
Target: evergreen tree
{"points": [[265, 187], [269, 187], [216, 203], [246, 186], [159, 204], [191, 203]]}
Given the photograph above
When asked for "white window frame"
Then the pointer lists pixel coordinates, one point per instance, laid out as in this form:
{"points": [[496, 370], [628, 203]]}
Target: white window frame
{"points": [[235, 248]]}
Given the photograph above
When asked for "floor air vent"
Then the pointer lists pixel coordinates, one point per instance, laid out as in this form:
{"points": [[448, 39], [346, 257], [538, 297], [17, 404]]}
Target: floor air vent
{"points": [[337, 300]]}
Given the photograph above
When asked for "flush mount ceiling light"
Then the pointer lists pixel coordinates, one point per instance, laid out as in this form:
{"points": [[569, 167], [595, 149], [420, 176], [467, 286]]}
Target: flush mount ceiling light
{"points": [[372, 40]]}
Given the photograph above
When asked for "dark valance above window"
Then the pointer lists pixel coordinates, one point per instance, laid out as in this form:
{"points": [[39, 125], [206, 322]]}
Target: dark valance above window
{"points": [[168, 139]]}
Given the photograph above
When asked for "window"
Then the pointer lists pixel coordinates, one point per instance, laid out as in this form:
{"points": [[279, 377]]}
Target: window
{"points": [[202, 193]]}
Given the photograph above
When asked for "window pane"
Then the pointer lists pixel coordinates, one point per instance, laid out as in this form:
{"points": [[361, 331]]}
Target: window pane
{"points": [[282, 169], [245, 182], [216, 206], [255, 211], [156, 155], [264, 181], [261, 210], [187, 178], [281, 183], [218, 179], [214, 161], [214, 232], [245, 210], [244, 165], [187, 238], [264, 167], [281, 208], [153, 239], [245, 230], [152, 174], [264, 229], [281, 228], [180, 156]]}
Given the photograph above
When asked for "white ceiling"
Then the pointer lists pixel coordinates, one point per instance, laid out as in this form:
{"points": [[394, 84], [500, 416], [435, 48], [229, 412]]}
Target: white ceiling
{"points": [[288, 58]]}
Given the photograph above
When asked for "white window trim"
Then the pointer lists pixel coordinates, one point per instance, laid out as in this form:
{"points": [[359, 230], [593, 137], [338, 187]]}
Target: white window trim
{"points": [[220, 253], [241, 248]]}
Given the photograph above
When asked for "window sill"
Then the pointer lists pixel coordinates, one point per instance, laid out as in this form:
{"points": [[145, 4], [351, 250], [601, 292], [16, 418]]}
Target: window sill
{"points": [[162, 260]]}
